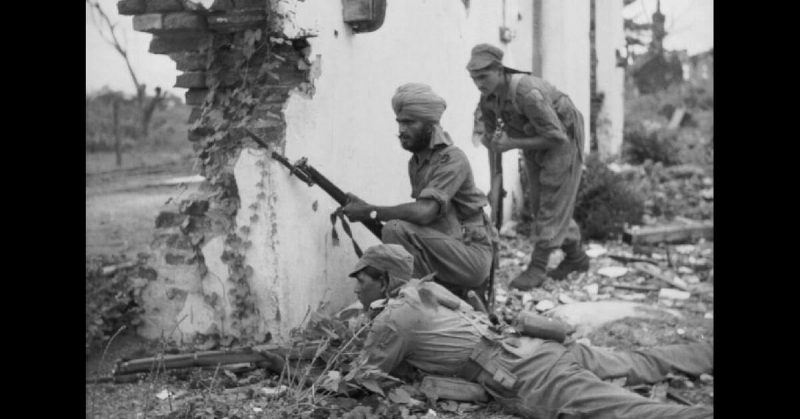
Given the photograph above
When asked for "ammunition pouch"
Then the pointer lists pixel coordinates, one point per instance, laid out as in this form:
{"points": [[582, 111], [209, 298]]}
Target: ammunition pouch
{"points": [[483, 365]]}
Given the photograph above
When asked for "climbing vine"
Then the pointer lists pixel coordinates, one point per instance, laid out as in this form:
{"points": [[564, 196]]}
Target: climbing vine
{"points": [[246, 91]]}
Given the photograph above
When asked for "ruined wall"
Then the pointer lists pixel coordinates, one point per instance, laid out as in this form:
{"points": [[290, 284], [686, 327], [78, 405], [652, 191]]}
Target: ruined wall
{"points": [[610, 41], [253, 252]]}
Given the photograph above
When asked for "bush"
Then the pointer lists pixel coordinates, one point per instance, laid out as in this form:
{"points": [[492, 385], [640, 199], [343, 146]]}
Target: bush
{"points": [[641, 144], [113, 301], [605, 203]]}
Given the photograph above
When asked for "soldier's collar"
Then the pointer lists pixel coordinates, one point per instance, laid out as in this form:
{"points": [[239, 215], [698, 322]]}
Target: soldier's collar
{"points": [[376, 307]]}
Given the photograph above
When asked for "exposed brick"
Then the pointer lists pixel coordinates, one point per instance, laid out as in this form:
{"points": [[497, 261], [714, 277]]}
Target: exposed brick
{"points": [[221, 6], [169, 219], [189, 61], [158, 23], [150, 22], [194, 79], [194, 115], [250, 4], [173, 259], [163, 6], [198, 207], [130, 7], [195, 97], [184, 21], [237, 20], [167, 44]]}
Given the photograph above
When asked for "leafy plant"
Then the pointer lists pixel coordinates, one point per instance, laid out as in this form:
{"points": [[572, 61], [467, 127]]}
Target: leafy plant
{"points": [[605, 202], [113, 300]]}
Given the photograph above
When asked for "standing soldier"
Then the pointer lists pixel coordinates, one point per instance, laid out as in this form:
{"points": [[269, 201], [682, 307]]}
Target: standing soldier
{"points": [[544, 123]]}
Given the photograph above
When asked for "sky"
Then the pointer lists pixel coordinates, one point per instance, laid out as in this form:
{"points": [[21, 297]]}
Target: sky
{"points": [[689, 25]]}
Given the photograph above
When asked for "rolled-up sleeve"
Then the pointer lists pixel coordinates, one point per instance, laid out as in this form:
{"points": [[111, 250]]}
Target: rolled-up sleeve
{"points": [[447, 175], [541, 115]]}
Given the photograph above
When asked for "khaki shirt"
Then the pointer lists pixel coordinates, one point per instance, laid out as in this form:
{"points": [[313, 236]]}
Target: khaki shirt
{"points": [[417, 329], [443, 173]]}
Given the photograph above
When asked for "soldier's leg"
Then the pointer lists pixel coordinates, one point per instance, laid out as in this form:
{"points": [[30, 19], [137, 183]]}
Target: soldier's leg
{"points": [[457, 263], [649, 365], [575, 258], [550, 383], [578, 393]]}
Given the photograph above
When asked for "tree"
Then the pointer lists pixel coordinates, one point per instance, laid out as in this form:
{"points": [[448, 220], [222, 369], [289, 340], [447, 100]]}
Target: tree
{"points": [[108, 31]]}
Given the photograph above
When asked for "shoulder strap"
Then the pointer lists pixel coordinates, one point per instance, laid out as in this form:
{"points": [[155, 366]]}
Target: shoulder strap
{"points": [[512, 89]]}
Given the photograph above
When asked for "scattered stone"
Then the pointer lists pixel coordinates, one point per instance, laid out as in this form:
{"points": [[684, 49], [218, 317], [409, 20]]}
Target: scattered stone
{"points": [[163, 394], [685, 270], [706, 378], [636, 296], [680, 282], [566, 299], [545, 305], [612, 271], [274, 391], [595, 250], [680, 332], [673, 294], [526, 299], [691, 279], [709, 315], [592, 290]]}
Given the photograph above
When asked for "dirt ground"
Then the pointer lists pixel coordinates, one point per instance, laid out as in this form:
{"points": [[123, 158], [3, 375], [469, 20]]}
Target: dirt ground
{"points": [[122, 203], [121, 206]]}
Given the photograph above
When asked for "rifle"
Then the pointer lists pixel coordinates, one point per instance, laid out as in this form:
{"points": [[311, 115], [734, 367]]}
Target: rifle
{"points": [[496, 195], [271, 357], [309, 175]]}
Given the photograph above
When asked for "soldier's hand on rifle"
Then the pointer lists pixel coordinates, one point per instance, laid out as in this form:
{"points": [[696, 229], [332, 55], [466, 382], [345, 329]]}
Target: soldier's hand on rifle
{"points": [[356, 209], [500, 143]]}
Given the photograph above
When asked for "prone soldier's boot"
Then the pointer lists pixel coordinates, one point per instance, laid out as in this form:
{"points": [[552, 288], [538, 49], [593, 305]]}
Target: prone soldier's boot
{"points": [[575, 260], [534, 274]]}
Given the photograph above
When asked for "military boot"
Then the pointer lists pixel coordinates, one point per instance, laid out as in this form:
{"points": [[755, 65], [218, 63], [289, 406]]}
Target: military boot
{"points": [[575, 260], [534, 275]]}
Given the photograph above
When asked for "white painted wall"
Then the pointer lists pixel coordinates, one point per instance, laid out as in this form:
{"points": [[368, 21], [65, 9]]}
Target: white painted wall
{"points": [[566, 52], [347, 130], [610, 37]]}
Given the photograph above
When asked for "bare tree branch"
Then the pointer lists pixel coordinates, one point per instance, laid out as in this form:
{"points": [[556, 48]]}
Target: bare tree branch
{"points": [[113, 41]]}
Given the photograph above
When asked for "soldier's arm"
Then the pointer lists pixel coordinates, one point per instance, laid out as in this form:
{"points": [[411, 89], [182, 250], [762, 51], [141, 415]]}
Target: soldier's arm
{"points": [[543, 120]]}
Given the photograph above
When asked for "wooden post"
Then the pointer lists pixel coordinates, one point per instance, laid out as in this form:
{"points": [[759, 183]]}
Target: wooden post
{"points": [[117, 147]]}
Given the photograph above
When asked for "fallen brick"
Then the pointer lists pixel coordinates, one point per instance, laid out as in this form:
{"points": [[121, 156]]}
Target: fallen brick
{"points": [[195, 97], [130, 7], [189, 80], [167, 44], [237, 20], [163, 6]]}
